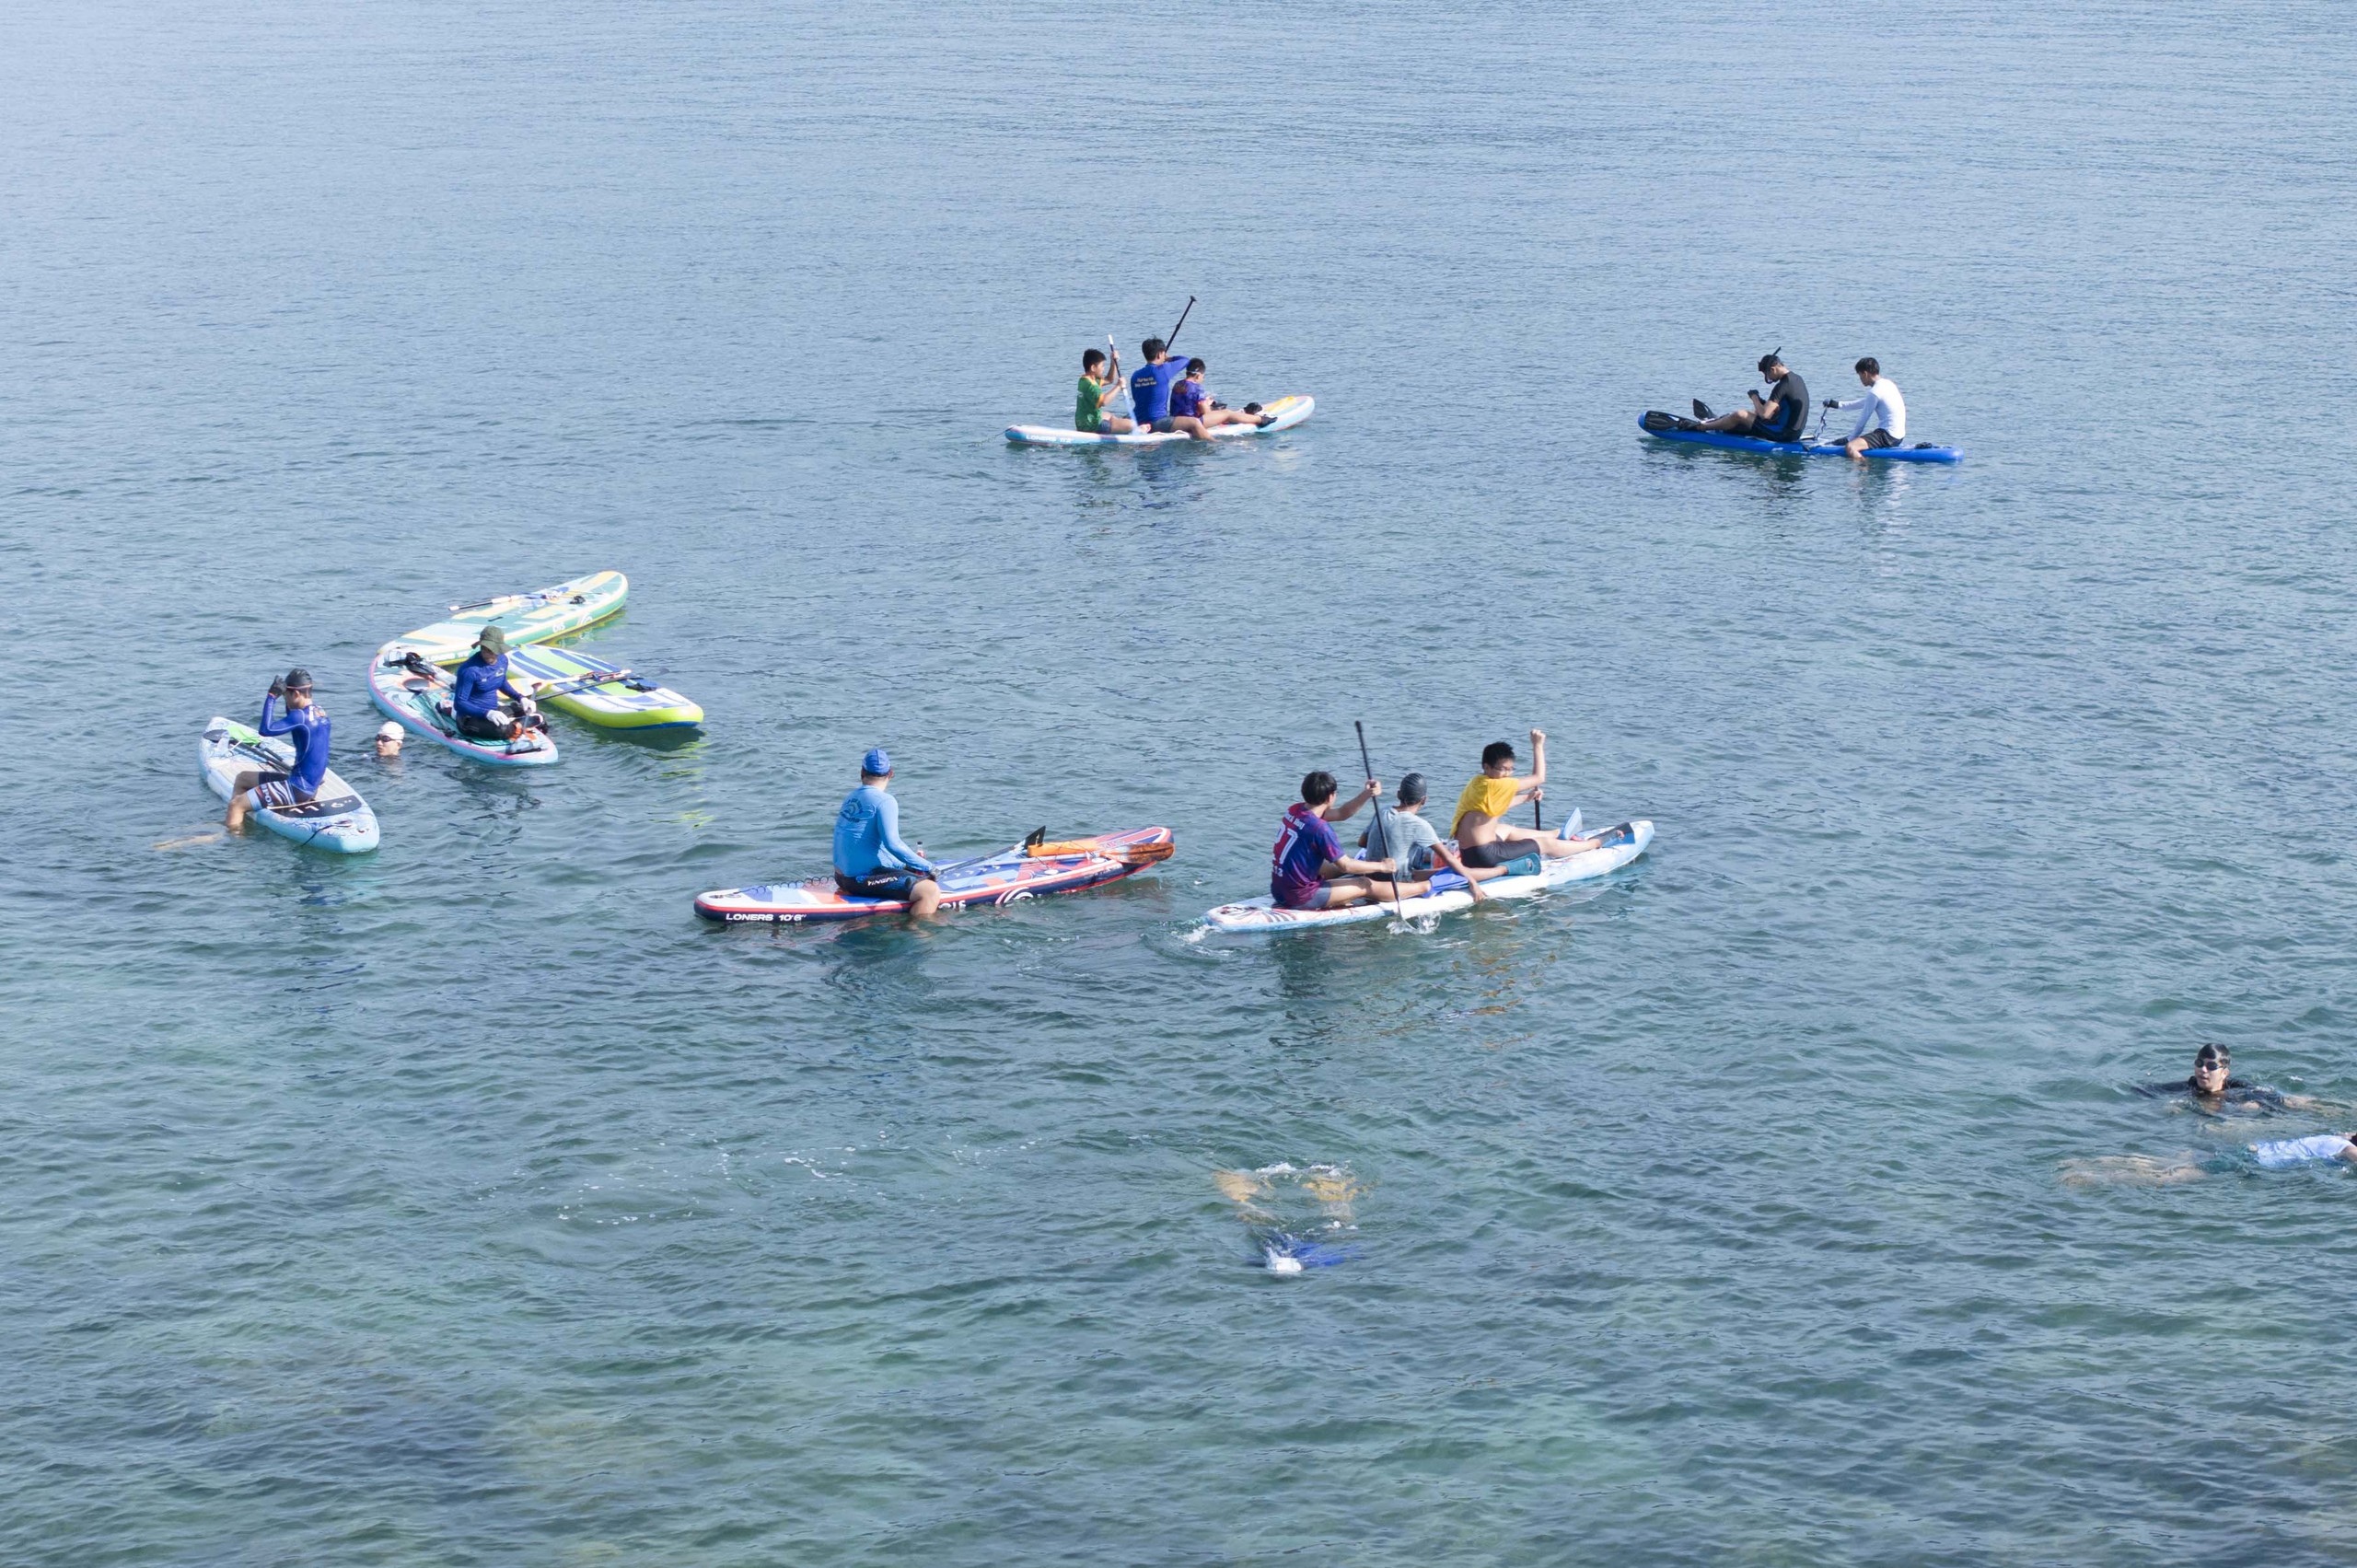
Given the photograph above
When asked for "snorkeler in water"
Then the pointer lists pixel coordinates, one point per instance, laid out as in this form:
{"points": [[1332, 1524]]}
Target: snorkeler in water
{"points": [[1286, 1245]]}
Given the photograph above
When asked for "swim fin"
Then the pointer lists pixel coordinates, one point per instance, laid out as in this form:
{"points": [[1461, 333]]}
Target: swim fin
{"points": [[1702, 410]]}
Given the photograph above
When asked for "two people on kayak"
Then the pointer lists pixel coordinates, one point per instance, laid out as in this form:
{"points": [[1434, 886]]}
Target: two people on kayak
{"points": [[1308, 869], [307, 723], [871, 859], [1780, 415], [1165, 397]]}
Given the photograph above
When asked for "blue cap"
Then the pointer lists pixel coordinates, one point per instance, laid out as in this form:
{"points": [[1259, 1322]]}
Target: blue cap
{"points": [[876, 763]]}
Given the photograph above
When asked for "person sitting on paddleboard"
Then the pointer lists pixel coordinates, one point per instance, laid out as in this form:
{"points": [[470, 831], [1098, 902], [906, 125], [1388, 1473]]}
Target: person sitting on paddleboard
{"points": [[1098, 381], [1484, 838], [1882, 412], [1150, 389], [870, 860], [1402, 836], [1191, 399], [477, 687], [1777, 417], [1307, 870], [298, 785], [2215, 1089]]}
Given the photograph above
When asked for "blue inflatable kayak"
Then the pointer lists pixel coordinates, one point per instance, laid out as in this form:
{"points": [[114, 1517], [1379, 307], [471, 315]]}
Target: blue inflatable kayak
{"points": [[1657, 425]]}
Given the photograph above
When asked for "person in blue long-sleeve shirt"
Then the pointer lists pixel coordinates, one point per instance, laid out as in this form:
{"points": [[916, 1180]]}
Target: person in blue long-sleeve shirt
{"points": [[477, 687], [299, 785], [871, 861]]}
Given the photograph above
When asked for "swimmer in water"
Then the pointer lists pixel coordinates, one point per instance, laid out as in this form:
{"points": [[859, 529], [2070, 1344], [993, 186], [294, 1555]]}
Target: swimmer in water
{"points": [[1259, 1196], [2214, 1087], [2151, 1170]]}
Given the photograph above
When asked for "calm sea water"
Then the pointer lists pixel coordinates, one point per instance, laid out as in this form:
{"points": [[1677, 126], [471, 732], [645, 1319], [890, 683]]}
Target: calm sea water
{"points": [[470, 1203]]}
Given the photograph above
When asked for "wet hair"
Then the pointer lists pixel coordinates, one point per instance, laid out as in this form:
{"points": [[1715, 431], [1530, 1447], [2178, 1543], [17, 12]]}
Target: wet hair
{"points": [[1317, 788], [1497, 752], [296, 681], [1151, 347], [1196, 367], [1090, 358], [2212, 1055], [1869, 365], [1768, 361], [1412, 790]]}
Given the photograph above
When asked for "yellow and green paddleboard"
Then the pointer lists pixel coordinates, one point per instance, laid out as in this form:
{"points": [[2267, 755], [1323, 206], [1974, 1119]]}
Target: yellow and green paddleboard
{"points": [[526, 618], [566, 679]]}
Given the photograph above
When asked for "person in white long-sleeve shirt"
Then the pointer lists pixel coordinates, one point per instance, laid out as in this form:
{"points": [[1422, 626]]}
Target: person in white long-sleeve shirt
{"points": [[1882, 412]]}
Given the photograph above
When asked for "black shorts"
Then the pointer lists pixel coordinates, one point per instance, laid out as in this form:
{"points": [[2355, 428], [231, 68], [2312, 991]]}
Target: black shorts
{"points": [[1878, 438], [1781, 437], [493, 726], [1497, 853], [878, 884], [272, 789]]}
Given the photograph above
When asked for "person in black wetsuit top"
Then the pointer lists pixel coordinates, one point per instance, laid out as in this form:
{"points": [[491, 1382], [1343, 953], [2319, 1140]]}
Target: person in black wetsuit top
{"points": [[1777, 417], [2213, 1086]]}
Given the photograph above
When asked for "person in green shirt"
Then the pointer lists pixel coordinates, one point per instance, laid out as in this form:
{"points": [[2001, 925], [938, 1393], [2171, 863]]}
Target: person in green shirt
{"points": [[1099, 381]]}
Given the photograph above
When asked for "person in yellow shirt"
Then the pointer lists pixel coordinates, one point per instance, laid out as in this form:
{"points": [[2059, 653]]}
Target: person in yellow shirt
{"points": [[1484, 838]]}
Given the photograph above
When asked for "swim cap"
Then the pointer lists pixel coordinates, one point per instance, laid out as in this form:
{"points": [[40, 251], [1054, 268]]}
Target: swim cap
{"points": [[493, 641], [389, 730], [1411, 789], [877, 763], [297, 680]]}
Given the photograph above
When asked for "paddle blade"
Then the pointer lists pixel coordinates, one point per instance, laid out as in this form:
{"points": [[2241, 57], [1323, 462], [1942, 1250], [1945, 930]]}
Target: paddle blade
{"points": [[1128, 854]]}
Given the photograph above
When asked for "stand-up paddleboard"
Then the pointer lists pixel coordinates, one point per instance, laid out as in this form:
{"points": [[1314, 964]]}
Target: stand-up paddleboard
{"points": [[1289, 413], [526, 618], [1621, 844], [415, 694], [570, 681], [1031, 869], [1664, 427], [337, 818]]}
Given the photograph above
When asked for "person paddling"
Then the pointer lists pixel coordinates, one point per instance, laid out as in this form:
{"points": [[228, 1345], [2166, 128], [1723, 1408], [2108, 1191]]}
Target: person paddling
{"points": [[298, 785], [477, 687], [1150, 388], [1882, 412], [1307, 869], [871, 861], [1777, 417], [1099, 378], [1485, 839]]}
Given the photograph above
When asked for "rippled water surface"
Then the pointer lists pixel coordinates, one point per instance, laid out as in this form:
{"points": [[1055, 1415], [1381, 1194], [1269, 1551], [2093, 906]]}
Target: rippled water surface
{"points": [[471, 1202]]}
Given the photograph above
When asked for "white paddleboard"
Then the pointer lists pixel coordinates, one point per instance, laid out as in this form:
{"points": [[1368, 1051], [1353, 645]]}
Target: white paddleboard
{"points": [[1289, 413], [1260, 916], [337, 818]]}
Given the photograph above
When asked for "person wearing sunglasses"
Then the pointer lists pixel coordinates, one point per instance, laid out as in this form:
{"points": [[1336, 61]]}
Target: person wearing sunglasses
{"points": [[2214, 1087], [297, 785]]}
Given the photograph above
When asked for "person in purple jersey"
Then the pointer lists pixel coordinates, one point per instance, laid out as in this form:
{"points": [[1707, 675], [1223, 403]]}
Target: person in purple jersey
{"points": [[1190, 400], [298, 785], [1307, 870]]}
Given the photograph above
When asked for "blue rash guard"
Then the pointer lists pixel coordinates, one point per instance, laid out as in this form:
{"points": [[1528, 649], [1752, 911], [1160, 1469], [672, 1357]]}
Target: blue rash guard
{"points": [[309, 728], [476, 690], [867, 836], [1150, 389]]}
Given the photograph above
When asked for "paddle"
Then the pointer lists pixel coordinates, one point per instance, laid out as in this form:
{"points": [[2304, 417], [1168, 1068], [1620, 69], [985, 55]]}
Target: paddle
{"points": [[1128, 399], [1382, 840], [1173, 338], [573, 683]]}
